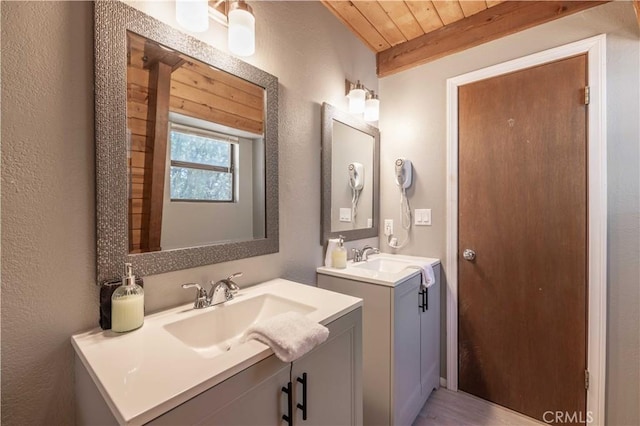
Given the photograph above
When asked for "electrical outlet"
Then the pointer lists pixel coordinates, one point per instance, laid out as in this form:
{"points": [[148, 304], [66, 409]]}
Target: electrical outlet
{"points": [[388, 227]]}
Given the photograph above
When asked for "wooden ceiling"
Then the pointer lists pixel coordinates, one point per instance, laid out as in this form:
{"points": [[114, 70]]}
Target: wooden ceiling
{"points": [[405, 34]]}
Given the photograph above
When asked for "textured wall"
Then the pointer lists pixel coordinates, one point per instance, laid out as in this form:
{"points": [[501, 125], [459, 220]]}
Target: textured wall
{"points": [[48, 238], [413, 120]]}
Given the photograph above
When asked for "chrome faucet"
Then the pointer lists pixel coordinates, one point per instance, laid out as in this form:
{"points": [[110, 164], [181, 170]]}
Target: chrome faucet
{"points": [[221, 291], [366, 250], [363, 253]]}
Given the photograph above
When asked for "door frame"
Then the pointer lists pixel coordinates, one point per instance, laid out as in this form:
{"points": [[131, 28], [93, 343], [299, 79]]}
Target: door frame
{"points": [[595, 48]]}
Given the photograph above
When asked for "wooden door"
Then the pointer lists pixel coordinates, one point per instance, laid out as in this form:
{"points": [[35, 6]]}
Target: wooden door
{"points": [[523, 210]]}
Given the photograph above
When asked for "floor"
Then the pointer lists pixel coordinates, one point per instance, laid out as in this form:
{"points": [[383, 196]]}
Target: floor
{"points": [[447, 408]]}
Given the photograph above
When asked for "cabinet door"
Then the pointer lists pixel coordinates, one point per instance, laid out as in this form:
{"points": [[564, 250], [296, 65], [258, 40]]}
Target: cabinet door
{"points": [[251, 397], [333, 375], [406, 371], [430, 339]]}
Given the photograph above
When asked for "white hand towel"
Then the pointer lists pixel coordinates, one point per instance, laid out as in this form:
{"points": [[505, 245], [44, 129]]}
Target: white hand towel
{"points": [[332, 243], [289, 335], [428, 277]]}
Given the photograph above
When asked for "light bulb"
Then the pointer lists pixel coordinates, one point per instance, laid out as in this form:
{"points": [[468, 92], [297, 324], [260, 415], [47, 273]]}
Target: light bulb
{"points": [[372, 108], [357, 97], [193, 15], [242, 29]]}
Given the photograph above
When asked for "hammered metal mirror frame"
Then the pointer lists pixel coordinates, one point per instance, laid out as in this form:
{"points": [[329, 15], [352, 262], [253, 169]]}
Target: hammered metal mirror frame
{"points": [[112, 21], [330, 114]]}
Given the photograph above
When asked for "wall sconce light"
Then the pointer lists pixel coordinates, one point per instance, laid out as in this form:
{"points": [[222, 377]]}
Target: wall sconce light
{"points": [[242, 29], [372, 107], [362, 100], [193, 15], [357, 97], [237, 15]]}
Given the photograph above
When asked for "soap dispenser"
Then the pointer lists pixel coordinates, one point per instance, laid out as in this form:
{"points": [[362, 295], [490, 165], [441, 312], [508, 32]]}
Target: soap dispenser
{"points": [[127, 304], [339, 255]]}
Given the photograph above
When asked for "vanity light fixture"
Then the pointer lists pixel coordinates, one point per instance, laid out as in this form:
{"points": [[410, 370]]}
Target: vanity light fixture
{"points": [[193, 15], [242, 29], [362, 100], [237, 15], [372, 107], [357, 96]]}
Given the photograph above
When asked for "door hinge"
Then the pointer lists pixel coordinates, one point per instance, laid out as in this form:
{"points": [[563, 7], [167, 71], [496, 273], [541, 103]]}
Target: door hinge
{"points": [[587, 95], [586, 379]]}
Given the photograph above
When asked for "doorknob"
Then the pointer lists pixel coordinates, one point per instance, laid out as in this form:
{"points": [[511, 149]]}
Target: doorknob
{"points": [[469, 254]]}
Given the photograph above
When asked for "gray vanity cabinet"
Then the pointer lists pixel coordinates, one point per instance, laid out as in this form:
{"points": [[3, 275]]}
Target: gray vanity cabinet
{"points": [[401, 345], [255, 397]]}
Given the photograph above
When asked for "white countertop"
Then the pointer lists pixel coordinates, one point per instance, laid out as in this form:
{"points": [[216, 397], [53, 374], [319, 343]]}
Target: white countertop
{"points": [[147, 372], [390, 279]]}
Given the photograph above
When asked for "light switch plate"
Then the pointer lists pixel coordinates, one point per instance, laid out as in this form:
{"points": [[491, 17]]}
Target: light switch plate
{"points": [[422, 217], [369, 223], [345, 215]]}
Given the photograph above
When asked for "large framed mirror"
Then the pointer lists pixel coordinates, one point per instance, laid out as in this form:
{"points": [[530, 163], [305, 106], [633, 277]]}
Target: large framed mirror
{"points": [[350, 176], [186, 149]]}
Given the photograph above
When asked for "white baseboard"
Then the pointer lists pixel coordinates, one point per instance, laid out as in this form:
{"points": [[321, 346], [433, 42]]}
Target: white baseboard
{"points": [[443, 382]]}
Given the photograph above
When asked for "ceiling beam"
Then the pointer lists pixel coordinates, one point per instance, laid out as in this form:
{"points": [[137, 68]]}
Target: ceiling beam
{"points": [[501, 20]]}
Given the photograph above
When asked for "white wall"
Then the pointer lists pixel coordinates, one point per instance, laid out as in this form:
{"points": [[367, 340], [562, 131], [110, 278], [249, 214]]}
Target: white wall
{"points": [[48, 178], [412, 124]]}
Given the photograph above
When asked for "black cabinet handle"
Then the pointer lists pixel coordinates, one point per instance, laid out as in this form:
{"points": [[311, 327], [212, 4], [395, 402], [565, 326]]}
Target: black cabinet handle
{"points": [[426, 299], [287, 417], [303, 406], [424, 303]]}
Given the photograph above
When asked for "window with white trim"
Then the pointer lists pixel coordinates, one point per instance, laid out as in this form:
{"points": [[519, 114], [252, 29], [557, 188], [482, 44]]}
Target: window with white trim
{"points": [[202, 165]]}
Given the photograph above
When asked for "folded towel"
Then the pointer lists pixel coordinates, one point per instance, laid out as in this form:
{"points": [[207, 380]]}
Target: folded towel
{"points": [[290, 335], [428, 277]]}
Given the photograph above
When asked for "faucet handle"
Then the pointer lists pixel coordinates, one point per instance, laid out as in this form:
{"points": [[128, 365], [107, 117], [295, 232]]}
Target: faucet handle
{"points": [[190, 285], [201, 295], [233, 287]]}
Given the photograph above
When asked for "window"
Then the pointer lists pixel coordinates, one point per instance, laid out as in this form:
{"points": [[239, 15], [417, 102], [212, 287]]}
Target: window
{"points": [[202, 165]]}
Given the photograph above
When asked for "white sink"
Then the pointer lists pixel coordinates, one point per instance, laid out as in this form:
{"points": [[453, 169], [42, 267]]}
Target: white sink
{"points": [[383, 269], [215, 330], [181, 352], [383, 264]]}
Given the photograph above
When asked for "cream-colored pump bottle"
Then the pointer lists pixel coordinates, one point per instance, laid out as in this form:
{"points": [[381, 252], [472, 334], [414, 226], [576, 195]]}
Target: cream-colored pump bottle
{"points": [[127, 304], [339, 255]]}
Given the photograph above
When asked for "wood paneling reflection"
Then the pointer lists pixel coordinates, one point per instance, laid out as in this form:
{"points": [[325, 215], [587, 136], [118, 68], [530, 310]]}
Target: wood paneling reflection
{"points": [[196, 90]]}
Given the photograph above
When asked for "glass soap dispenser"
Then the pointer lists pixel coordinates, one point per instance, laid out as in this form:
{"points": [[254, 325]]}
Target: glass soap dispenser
{"points": [[339, 255], [127, 304]]}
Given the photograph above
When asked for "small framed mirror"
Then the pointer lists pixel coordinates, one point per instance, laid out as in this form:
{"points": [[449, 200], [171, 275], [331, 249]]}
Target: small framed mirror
{"points": [[350, 176], [186, 149]]}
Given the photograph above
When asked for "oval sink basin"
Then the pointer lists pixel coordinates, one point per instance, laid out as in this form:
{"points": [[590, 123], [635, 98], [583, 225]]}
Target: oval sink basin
{"points": [[217, 329], [383, 264]]}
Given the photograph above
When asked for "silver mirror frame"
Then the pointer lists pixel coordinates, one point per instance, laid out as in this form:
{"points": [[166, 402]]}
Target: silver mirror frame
{"points": [[112, 20], [329, 115]]}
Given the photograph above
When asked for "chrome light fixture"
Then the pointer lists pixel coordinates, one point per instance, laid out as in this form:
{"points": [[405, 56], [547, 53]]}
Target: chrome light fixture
{"points": [[362, 101], [242, 29], [193, 15], [237, 15]]}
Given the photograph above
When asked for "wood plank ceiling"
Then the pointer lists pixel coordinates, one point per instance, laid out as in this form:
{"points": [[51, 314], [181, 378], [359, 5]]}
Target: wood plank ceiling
{"points": [[405, 34]]}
